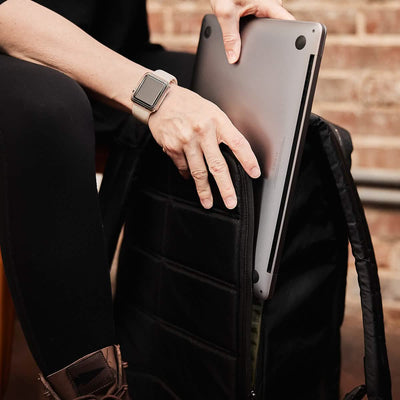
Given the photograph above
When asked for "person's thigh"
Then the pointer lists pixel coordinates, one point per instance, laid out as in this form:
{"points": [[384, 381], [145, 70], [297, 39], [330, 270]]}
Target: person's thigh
{"points": [[36, 102], [51, 233], [46, 140]]}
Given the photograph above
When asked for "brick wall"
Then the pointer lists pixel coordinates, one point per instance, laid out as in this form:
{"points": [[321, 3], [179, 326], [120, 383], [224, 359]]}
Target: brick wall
{"points": [[359, 88]]}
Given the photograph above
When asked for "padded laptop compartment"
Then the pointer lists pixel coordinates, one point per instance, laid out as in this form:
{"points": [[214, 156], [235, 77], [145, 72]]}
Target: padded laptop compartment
{"points": [[183, 300], [183, 304]]}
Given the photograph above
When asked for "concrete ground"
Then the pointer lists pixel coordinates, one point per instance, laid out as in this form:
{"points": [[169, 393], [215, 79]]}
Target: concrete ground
{"points": [[24, 385]]}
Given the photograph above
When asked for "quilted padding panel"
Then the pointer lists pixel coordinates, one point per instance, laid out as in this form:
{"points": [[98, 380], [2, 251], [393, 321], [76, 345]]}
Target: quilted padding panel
{"points": [[188, 367], [190, 236], [154, 279], [183, 303]]}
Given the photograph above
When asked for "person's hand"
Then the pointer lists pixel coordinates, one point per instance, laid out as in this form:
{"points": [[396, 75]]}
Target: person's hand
{"points": [[189, 129], [229, 12]]}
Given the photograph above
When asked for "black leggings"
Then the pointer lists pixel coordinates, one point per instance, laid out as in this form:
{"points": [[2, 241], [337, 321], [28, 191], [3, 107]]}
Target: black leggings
{"points": [[51, 233]]}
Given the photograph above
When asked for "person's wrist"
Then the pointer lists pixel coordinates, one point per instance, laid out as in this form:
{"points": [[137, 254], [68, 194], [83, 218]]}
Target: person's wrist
{"points": [[173, 91], [150, 94]]}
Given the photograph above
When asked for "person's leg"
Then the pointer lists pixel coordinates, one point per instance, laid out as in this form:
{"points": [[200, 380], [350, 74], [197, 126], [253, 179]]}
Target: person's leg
{"points": [[50, 225]]}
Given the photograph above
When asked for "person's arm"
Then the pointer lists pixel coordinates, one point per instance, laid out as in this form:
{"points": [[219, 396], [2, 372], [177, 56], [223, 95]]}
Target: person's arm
{"points": [[31, 32], [188, 127], [229, 13]]}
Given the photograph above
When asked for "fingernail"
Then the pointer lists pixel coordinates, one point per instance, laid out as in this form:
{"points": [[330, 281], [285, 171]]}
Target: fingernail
{"points": [[231, 202], [207, 203], [231, 56], [255, 172]]}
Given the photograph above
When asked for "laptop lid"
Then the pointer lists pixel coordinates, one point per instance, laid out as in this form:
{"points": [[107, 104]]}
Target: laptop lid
{"points": [[267, 95]]}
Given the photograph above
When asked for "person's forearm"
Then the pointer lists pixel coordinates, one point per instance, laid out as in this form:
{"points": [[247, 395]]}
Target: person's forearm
{"points": [[188, 127], [34, 33]]}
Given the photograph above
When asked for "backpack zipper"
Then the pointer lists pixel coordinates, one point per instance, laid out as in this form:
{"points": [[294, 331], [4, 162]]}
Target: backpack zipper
{"points": [[247, 213]]}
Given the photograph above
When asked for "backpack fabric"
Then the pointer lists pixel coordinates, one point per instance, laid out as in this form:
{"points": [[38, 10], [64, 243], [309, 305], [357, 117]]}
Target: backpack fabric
{"points": [[186, 318]]}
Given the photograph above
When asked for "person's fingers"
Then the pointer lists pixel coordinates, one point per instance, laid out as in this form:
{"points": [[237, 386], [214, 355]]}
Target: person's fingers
{"points": [[229, 20], [198, 170], [180, 162], [219, 169], [241, 148], [275, 10]]}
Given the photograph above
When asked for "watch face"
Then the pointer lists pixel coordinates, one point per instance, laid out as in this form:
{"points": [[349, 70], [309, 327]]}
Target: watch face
{"points": [[149, 91]]}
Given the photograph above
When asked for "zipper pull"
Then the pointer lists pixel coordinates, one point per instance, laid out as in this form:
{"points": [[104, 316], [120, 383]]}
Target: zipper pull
{"points": [[252, 394]]}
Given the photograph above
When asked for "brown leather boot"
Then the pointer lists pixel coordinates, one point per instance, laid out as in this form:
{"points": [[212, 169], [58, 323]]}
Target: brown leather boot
{"points": [[97, 376]]}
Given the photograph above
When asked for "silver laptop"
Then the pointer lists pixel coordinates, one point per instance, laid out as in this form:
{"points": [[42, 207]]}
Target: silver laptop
{"points": [[268, 96]]}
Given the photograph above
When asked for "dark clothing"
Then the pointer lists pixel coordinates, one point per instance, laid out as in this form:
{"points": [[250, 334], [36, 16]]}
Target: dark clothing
{"points": [[50, 226], [119, 24], [51, 233]]}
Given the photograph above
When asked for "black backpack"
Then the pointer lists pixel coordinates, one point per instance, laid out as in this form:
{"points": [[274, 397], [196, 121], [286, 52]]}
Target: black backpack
{"points": [[186, 318]]}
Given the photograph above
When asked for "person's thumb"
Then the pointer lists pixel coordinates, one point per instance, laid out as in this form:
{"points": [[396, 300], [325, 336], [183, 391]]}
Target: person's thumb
{"points": [[230, 34], [277, 11]]}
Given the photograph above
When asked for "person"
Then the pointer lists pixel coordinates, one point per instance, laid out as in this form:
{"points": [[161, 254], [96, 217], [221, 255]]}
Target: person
{"points": [[67, 72]]}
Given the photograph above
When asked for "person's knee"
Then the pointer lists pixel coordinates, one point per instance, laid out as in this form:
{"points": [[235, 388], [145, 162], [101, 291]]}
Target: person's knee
{"points": [[45, 109], [61, 113]]}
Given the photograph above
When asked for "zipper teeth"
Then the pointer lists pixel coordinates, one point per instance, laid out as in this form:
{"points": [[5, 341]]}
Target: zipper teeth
{"points": [[247, 281]]}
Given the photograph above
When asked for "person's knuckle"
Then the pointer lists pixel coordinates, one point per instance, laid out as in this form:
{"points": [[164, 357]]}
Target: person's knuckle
{"points": [[228, 189], [200, 128], [203, 192], [179, 132], [224, 9], [182, 168], [237, 142], [171, 146], [170, 150], [230, 38], [216, 117], [218, 166], [185, 137], [199, 174]]}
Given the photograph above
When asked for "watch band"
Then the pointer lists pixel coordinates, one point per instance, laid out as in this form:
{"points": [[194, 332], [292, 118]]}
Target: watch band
{"points": [[165, 76], [143, 114]]}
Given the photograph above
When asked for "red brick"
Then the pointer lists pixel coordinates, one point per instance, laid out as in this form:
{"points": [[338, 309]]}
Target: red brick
{"points": [[187, 22], [336, 90], [179, 46], [366, 122], [384, 223], [392, 318], [382, 251], [361, 57], [382, 21], [156, 22], [342, 21], [367, 157], [394, 258], [381, 89], [390, 287]]}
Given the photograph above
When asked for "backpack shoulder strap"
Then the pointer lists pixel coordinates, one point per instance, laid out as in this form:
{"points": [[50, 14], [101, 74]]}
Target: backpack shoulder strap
{"points": [[376, 367]]}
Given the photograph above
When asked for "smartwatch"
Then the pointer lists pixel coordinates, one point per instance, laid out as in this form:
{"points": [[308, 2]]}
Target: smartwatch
{"points": [[150, 93]]}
